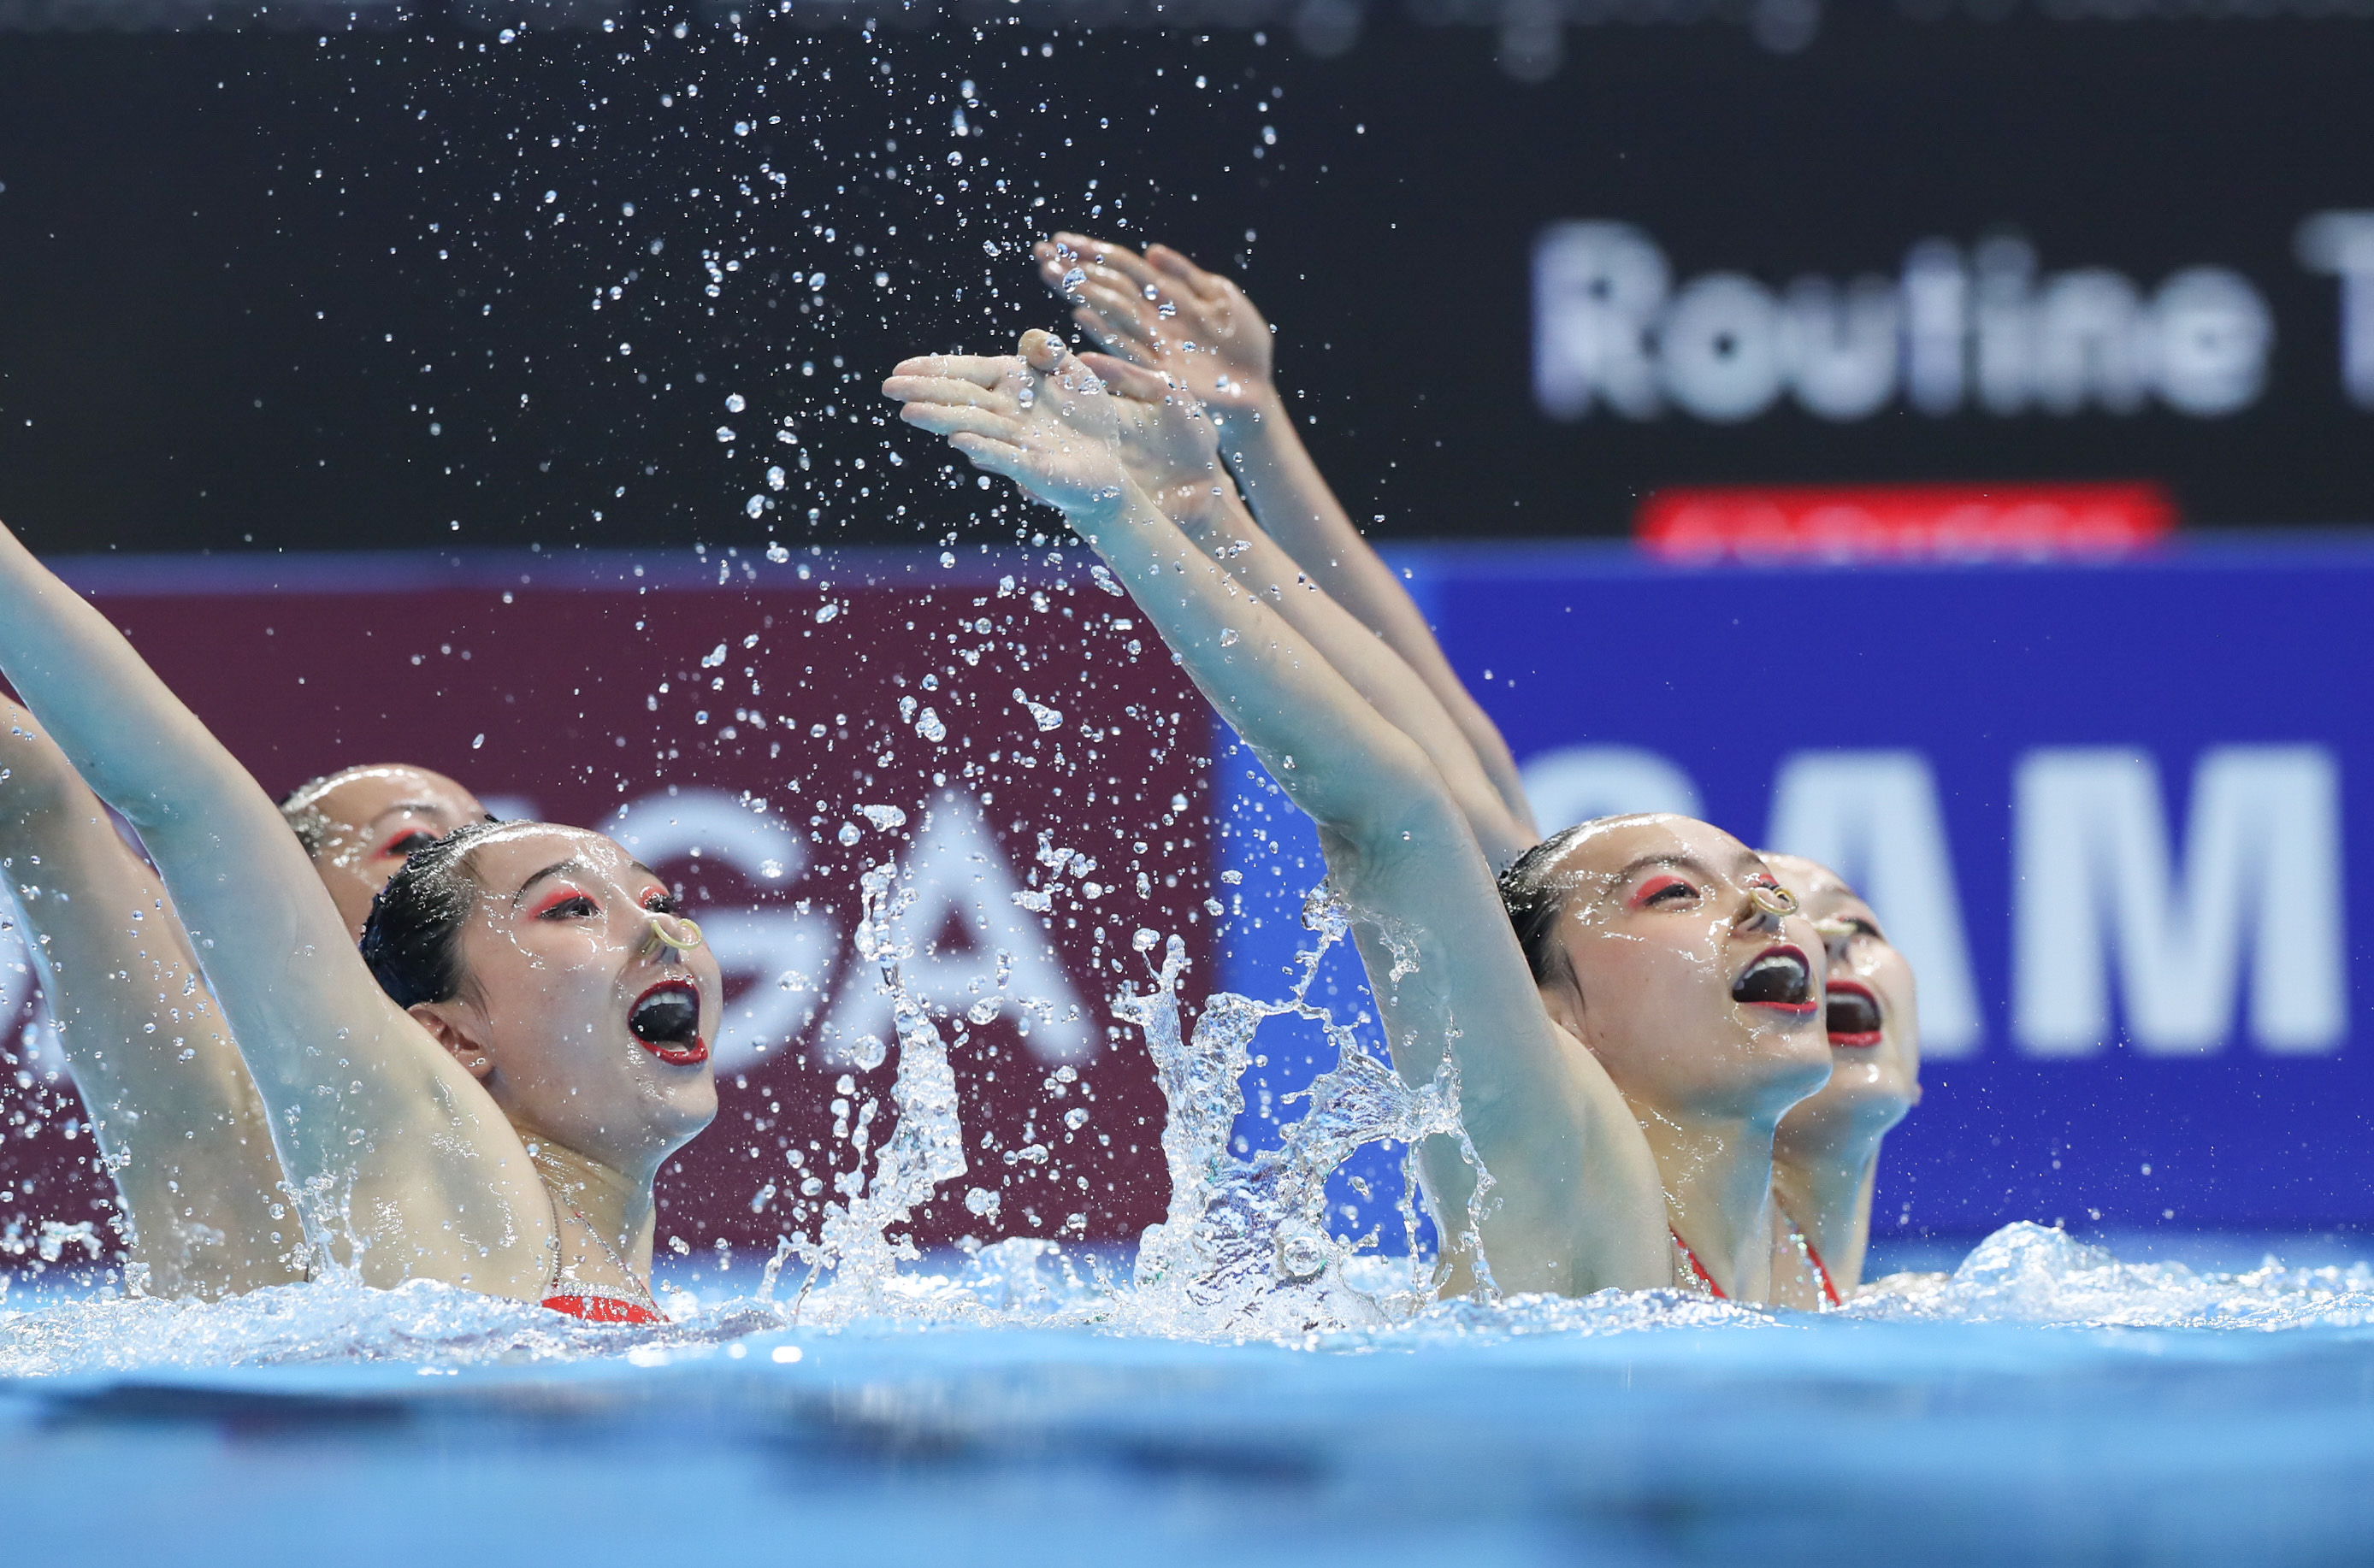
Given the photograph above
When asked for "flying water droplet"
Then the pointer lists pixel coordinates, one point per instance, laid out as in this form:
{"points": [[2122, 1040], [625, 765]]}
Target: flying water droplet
{"points": [[1047, 718]]}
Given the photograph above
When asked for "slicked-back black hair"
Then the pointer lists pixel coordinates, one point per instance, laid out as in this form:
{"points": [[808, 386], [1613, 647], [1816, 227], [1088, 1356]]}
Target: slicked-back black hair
{"points": [[1535, 895], [413, 940]]}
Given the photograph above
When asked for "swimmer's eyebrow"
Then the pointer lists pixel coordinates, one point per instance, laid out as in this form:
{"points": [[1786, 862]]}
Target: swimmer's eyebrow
{"points": [[556, 869], [427, 808], [1661, 858]]}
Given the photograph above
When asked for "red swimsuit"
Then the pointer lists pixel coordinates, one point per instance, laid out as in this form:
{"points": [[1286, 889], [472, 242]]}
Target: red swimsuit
{"points": [[604, 1309]]}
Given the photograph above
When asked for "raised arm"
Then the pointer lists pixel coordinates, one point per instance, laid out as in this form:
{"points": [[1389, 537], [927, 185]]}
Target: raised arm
{"points": [[173, 1108], [1166, 442], [399, 1155], [1550, 1126], [1163, 312]]}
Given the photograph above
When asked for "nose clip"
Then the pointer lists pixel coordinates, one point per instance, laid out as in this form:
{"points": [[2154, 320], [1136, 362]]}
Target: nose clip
{"points": [[1775, 901], [680, 931]]}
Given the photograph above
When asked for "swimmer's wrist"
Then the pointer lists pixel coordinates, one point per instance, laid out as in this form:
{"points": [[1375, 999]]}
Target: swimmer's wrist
{"points": [[1249, 427]]}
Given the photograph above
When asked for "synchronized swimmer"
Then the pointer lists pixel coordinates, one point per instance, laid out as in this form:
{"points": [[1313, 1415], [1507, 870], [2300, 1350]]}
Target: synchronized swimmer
{"points": [[464, 1048], [483, 1093]]}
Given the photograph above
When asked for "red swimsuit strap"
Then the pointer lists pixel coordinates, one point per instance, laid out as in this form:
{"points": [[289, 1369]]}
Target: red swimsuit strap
{"points": [[1820, 1268], [1797, 1235], [1698, 1268]]}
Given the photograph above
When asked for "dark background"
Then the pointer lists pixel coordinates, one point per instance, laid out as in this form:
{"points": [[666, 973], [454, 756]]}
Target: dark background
{"points": [[272, 288]]}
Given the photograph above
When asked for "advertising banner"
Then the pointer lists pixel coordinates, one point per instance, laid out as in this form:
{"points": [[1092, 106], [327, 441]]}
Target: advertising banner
{"points": [[2109, 812], [761, 732]]}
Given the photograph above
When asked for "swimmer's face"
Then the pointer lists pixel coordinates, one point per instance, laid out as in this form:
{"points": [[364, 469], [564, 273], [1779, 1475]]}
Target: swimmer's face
{"points": [[592, 1024], [1873, 1013], [1700, 984], [378, 816]]}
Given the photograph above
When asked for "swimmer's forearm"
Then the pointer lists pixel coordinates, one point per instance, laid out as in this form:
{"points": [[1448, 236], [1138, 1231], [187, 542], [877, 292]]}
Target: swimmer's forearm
{"points": [[126, 734], [1342, 762], [276, 954], [1299, 509], [1222, 528]]}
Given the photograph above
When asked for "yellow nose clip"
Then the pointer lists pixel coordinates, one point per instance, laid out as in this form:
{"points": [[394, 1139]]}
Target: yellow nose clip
{"points": [[1773, 900], [680, 931]]}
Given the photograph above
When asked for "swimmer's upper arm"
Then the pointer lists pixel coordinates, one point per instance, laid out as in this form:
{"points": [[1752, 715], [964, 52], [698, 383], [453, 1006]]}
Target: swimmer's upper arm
{"points": [[1577, 1204], [345, 1072]]}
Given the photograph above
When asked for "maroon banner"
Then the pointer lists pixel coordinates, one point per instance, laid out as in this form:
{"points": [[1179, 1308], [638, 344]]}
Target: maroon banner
{"points": [[761, 732]]}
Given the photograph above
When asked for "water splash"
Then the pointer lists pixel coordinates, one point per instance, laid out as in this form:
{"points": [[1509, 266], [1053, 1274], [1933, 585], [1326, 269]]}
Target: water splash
{"points": [[924, 1150], [2031, 1273], [1245, 1248]]}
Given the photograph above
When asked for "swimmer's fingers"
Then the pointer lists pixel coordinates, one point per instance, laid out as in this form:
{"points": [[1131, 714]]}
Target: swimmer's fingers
{"points": [[1119, 343], [981, 370], [1102, 289], [948, 389], [1175, 271], [1121, 325], [948, 419], [994, 456], [1068, 274], [1104, 255], [1134, 382]]}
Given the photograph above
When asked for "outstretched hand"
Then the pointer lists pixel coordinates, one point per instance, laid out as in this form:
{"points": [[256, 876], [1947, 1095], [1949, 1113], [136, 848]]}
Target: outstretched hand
{"points": [[1162, 312], [1166, 438], [1040, 417]]}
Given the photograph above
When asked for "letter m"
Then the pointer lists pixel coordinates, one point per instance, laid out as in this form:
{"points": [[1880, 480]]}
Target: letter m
{"points": [[2094, 886]]}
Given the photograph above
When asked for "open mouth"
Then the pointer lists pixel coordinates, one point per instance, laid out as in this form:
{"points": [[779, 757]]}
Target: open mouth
{"points": [[1781, 977], [667, 1019], [1854, 1017]]}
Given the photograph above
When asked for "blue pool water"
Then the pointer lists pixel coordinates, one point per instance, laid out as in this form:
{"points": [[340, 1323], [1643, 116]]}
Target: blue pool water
{"points": [[2046, 1405]]}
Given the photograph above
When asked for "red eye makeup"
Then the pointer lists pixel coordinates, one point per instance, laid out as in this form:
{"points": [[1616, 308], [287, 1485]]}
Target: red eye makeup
{"points": [[1664, 887], [560, 896]]}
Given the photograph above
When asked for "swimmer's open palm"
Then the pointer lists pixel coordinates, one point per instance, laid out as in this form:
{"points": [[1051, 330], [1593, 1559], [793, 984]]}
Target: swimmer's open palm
{"points": [[1163, 312], [1039, 417], [1166, 438]]}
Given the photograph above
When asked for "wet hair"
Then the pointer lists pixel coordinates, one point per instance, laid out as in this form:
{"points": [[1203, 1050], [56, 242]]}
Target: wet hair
{"points": [[306, 820], [413, 940], [1534, 894]]}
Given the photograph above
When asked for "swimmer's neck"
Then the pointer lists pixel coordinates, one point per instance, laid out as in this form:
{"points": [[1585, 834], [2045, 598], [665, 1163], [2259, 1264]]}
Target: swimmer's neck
{"points": [[1717, 1172], [1822, 1174], [616, 1204]]}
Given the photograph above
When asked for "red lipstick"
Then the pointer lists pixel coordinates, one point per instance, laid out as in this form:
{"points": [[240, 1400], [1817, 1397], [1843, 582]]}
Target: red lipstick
{"points": [[1854, 1014], [1781, 979], [666, 1021]]}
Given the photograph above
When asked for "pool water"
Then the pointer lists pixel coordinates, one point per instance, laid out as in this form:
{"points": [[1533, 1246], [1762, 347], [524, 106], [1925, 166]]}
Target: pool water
{"points": [[2046, 1404]]}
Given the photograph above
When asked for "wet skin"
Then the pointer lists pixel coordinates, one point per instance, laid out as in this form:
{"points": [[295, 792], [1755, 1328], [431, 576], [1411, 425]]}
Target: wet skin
{"points": [[1697, 986], [377, 816], [560, 951], [1826, 1151], [1664, 926]]}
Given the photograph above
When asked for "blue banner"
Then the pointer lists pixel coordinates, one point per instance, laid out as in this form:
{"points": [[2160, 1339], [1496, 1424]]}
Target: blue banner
{"points": [[2107, 810]]}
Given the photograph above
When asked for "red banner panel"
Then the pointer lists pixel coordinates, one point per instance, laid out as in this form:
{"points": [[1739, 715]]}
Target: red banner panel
{"points": [[761, 732], [1913, 522]]}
